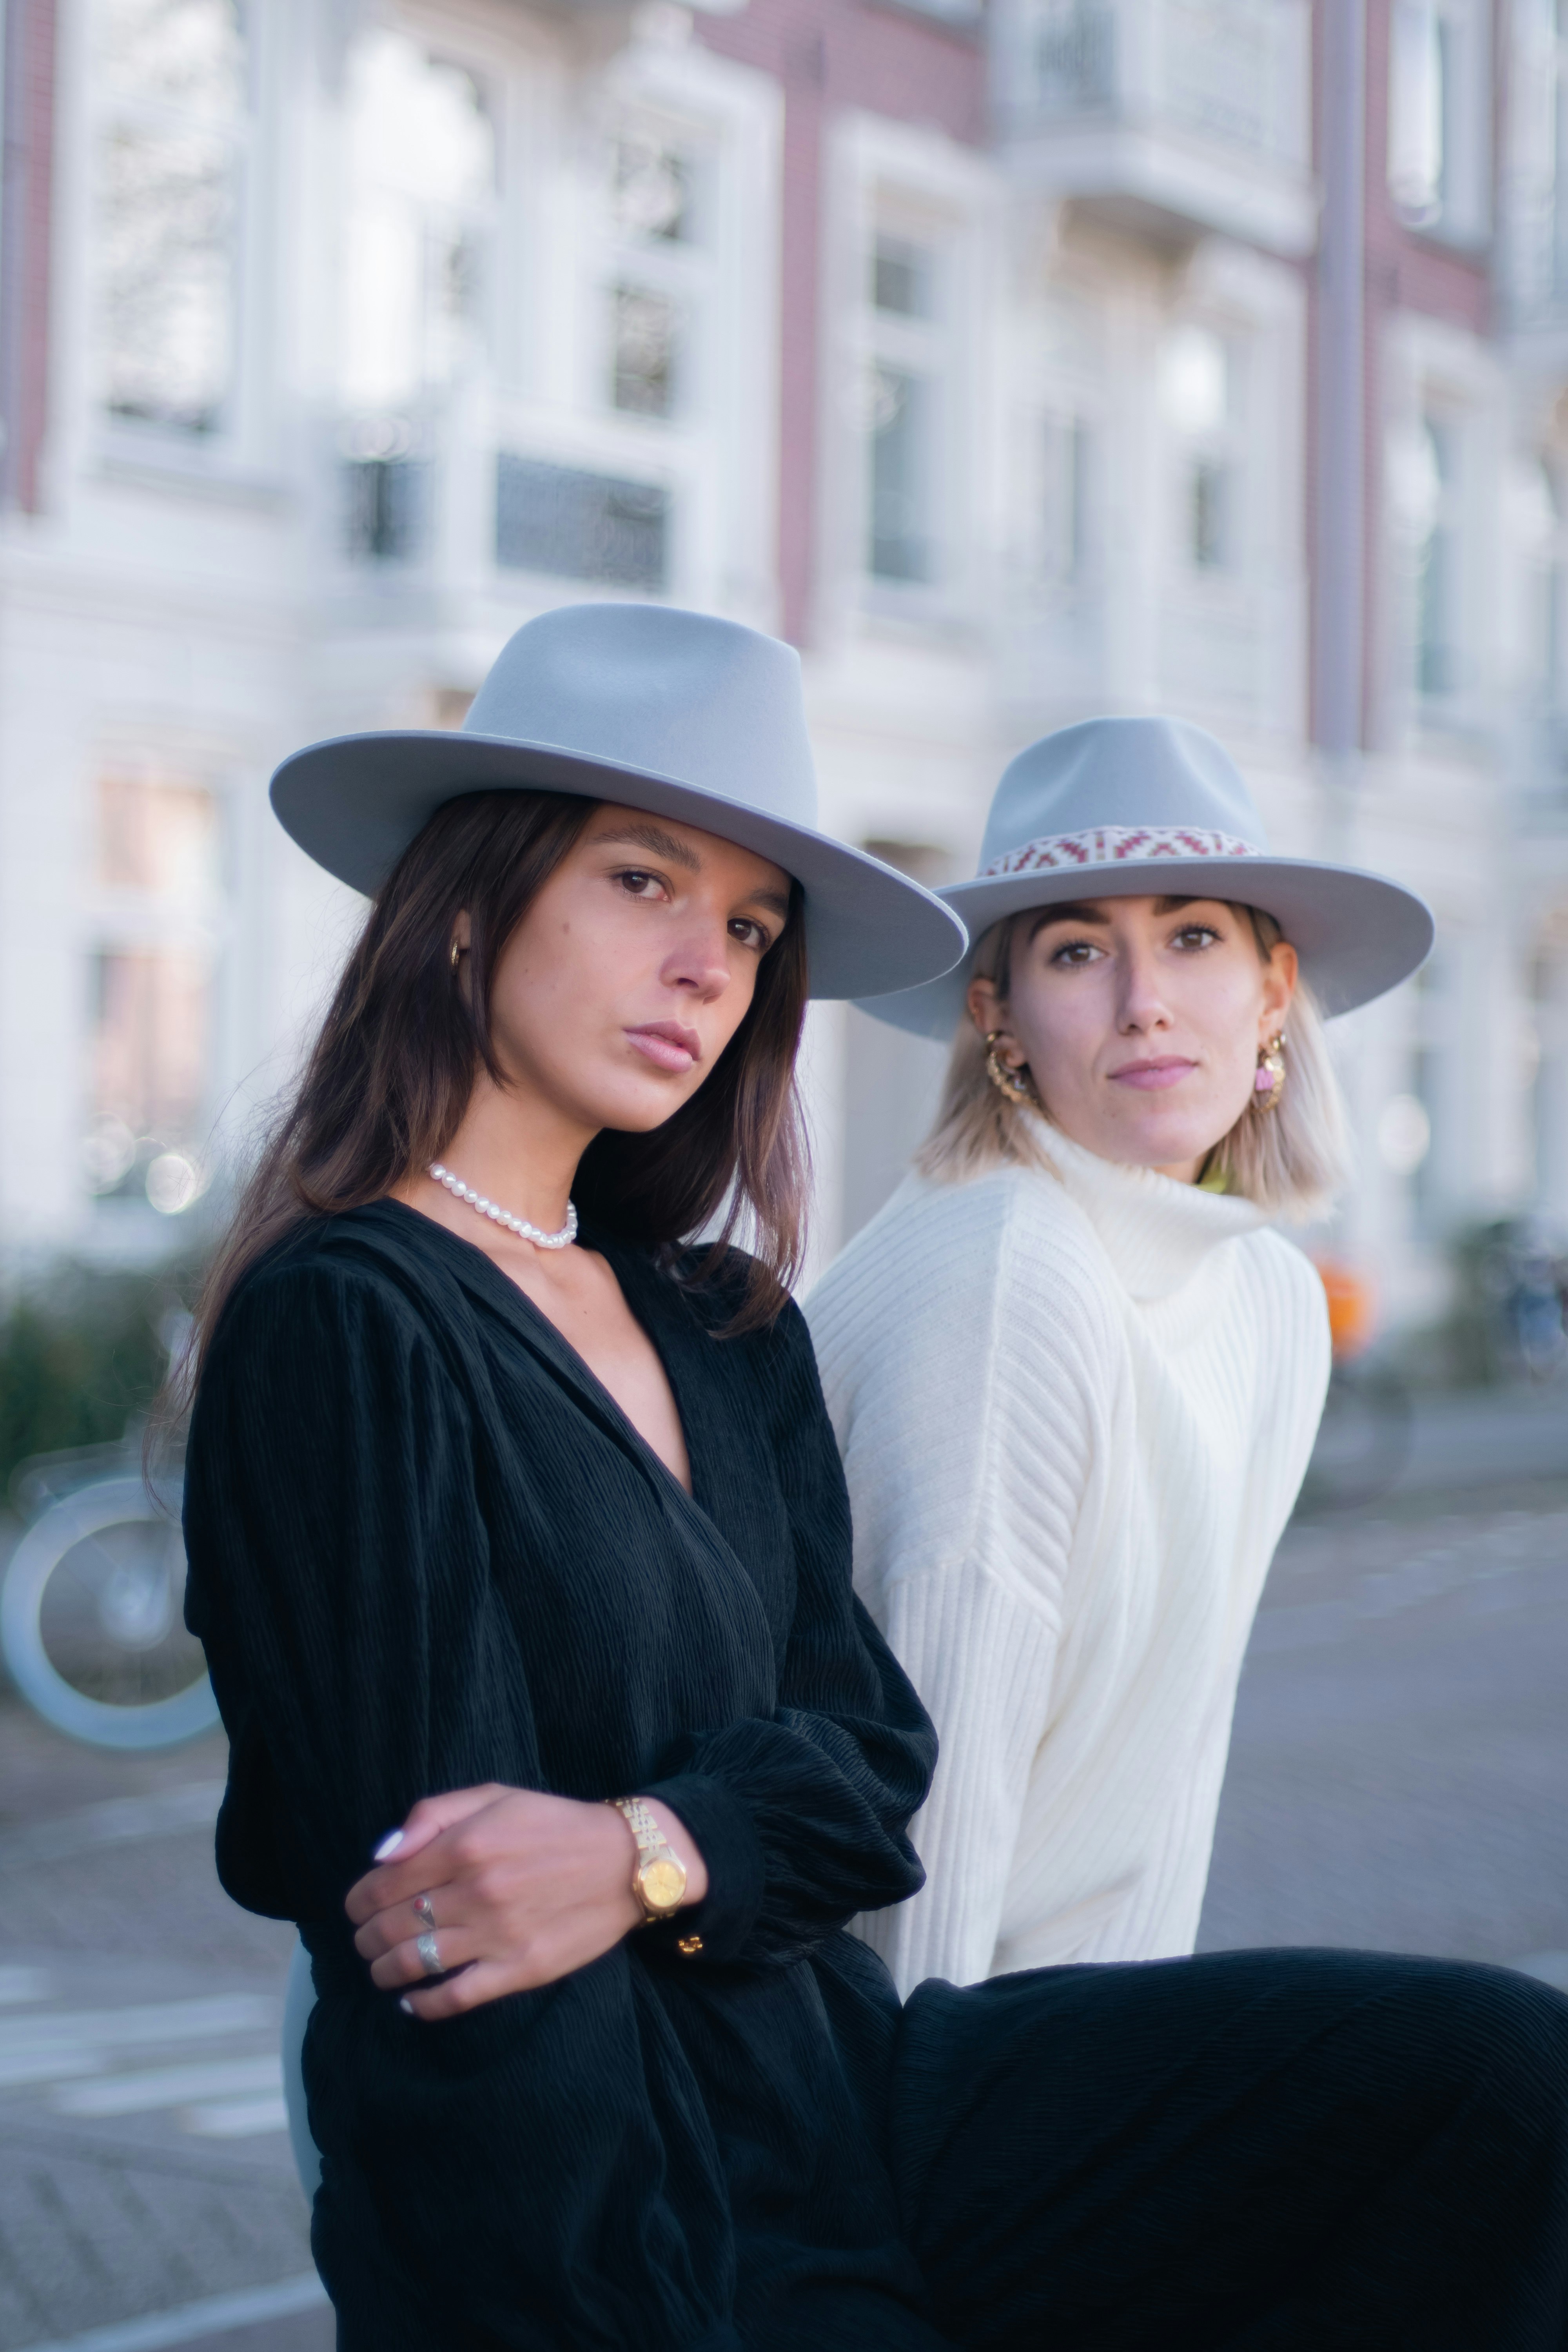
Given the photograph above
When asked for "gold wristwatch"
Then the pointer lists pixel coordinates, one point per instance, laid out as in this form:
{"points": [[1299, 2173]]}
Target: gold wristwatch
{"points": [[659, 1881]]}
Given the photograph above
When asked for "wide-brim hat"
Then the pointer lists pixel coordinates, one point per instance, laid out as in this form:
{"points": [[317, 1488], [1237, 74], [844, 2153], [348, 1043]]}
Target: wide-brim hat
{"points": [[677, 713], [1126, 808]]}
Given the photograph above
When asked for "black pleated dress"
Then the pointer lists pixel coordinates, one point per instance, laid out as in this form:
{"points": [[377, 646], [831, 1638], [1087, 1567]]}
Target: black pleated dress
{"points": [[427, 1550]]}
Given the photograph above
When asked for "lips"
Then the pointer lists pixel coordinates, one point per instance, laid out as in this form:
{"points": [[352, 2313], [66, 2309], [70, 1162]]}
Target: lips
{"points": [[1151, 1076], [667, 1043]]}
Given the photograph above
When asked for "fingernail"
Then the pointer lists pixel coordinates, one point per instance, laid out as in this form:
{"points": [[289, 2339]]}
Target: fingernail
{"points": [[406, 2005], [389, 1845]]}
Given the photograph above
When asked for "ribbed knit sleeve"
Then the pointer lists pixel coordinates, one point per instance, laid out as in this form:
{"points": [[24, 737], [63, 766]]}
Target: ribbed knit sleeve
{"points": [[809, 1807], [971, 1460]]}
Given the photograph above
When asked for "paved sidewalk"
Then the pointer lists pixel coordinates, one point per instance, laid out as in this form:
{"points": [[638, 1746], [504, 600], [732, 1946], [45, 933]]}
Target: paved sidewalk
{"points": [[144, 2170], [1396, 1782], [1401, 1746]]}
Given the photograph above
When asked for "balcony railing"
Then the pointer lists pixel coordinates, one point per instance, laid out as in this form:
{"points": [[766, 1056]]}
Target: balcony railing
{"points": [[451, 506], [1224, 84]]}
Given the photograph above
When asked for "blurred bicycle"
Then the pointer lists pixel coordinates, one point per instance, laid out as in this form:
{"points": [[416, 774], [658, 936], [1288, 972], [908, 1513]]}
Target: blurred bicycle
{"points": [[1363, 1439], [92, 1626]]}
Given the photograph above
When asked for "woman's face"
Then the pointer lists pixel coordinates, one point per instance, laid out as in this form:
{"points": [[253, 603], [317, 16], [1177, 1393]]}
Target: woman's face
{"points": [[1140, 1020], [632, 968]]}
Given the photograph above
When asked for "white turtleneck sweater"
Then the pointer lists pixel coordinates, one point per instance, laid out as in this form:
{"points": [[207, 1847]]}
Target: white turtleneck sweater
{"points": [[1074, 1415]]}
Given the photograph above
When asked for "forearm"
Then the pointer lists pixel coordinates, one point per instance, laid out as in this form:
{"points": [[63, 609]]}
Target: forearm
{"points": [[983, 1659]]}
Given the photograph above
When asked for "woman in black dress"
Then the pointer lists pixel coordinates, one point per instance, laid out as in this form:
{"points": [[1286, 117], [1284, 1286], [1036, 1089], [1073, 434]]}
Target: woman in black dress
{"points": [[490, 1529]]}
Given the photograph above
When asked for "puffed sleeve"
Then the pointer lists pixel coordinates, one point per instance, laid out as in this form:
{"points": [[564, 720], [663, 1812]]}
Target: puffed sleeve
{"points": [[339, 1582], [802, 1816]]}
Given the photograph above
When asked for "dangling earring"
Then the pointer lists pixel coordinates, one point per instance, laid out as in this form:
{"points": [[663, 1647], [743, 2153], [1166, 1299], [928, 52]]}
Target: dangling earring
{"points": [[1005, 1081], [1269, 1083], [457, 952]]}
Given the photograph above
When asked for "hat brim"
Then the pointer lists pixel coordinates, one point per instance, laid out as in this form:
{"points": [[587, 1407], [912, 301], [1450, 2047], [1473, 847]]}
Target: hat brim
{"points": [[354, 802], [1357, 935]]}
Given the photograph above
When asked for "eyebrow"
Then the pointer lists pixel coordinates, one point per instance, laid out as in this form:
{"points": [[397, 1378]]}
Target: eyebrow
{"points": [[654, 837], [1078, 913], [669, 846]]}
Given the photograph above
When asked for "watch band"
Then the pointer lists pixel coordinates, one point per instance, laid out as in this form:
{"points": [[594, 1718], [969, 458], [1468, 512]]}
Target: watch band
{"points": [[656, 1860]]}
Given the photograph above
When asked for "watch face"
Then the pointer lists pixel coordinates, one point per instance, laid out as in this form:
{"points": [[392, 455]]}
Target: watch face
{"points": [[663, 1882]]}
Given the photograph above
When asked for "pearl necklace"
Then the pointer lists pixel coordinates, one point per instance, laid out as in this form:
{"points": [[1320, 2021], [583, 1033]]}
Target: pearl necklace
{"points": [[517, 1225]]}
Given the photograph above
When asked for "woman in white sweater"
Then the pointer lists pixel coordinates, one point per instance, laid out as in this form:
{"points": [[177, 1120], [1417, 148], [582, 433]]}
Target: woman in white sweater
{"points": [[1074, 1374]]}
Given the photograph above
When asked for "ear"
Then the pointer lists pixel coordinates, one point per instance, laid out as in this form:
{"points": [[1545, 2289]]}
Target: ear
{"points": [[1279, 987], [463, 933], [984, 1006]]}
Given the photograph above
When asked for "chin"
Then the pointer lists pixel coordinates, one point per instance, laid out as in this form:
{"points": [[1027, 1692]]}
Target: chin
{"points": [[638, 1107], [1170, 1149]]}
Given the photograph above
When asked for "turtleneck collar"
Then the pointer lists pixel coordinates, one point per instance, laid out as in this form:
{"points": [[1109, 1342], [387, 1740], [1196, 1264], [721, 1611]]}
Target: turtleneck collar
{"points": [[1155, 1232]]}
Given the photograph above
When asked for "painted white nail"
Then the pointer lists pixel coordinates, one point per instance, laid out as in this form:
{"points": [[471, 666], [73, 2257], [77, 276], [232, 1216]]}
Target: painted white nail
{"points": [[388, 1846], [406, 2005]]}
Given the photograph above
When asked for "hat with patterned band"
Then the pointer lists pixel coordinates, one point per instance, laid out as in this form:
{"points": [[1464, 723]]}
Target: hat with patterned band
{"points": [[677, 713], [1126, 808]]}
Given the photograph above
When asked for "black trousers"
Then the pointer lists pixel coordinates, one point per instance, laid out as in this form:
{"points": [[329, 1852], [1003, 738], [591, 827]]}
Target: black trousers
{"points": [[1254, 2152]]}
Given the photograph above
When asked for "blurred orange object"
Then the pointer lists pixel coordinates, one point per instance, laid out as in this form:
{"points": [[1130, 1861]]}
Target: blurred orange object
{"points": [[1352, 1313]]}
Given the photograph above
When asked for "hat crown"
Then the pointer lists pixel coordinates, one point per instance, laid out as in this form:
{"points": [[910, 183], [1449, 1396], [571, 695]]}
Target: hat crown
{"points": [[649, 687], [1161, 774]]}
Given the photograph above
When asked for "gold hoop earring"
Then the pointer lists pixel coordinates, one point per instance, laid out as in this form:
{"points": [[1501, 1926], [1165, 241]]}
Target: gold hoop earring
{"points": [[1269, 1082], [1005, 1081], [457, 952]]}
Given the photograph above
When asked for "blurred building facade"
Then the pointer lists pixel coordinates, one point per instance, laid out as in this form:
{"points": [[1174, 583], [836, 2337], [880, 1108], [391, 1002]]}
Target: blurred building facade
{"points": [[975, 350]]}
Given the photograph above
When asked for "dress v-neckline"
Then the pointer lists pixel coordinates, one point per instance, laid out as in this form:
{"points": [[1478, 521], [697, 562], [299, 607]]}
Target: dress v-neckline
{"points": [[569, 1360]]}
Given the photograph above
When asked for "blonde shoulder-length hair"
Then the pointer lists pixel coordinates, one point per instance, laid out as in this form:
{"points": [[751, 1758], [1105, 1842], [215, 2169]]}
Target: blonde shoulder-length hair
{"points": [[1290, 1160]]}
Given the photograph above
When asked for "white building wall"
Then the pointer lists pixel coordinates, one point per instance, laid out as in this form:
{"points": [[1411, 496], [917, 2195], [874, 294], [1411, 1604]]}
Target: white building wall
{"points": [[189, 600]]}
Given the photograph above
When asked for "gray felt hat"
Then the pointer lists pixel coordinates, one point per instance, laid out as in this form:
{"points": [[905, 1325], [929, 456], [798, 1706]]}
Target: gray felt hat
{"points": [[677, 713], [1127, 808]]}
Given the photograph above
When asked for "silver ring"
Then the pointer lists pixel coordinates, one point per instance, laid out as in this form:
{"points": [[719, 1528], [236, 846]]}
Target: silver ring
{"points": [[425, 1946], [422, 1911]]}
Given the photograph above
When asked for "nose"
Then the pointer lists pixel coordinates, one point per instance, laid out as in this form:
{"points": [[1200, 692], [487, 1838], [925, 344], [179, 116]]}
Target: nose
{"points": [[698, 962], [1140, 1008]]}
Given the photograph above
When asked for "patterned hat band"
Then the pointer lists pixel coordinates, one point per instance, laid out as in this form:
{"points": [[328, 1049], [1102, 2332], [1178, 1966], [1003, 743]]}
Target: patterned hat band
{"points": [[1112, 844]]}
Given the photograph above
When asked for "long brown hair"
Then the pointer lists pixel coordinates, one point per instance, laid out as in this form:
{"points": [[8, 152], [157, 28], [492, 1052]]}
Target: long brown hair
{"points": [[394, 1063]]}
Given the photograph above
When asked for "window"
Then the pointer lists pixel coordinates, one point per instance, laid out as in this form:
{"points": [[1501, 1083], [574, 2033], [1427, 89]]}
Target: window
{"points": [[908, 361], [150, 1043], [580, 526], [644, 352], [1435, 485], [157, 838], [421, 165], [151, 997], [1438, 98], [1198, 394], [654, 185], [657, 273], [171, 148]]}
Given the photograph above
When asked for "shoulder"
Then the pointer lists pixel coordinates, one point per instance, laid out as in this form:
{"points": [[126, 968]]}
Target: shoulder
{"points": [[1012, 1226], [947, 1273], [360, 1276], [1282, 1273]]}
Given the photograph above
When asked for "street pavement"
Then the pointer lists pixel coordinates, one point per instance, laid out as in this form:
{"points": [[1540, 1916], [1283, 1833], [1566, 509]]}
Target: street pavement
{"points": [[1397, 1783]]}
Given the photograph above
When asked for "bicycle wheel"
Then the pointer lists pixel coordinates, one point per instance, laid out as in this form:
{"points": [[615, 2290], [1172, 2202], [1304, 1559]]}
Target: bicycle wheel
{"points": [[91, 1620], [1362, 1443]]}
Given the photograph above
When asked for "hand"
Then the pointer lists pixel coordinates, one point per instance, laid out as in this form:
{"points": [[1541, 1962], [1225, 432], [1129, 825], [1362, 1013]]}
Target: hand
{"points": [[524, 1888]]}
